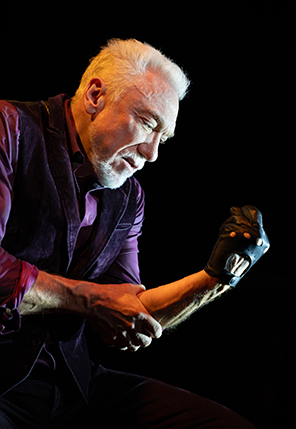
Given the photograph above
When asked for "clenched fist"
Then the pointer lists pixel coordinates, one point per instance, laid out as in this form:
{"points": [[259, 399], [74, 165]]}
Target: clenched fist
{"points": [[242, 241]]}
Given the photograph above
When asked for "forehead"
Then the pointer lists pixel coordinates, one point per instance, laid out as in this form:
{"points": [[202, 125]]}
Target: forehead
{"points": [[155, 96], [155, 90]]}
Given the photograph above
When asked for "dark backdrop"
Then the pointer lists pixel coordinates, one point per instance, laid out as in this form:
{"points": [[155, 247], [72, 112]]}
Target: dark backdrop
{"points": [[233, 146]]}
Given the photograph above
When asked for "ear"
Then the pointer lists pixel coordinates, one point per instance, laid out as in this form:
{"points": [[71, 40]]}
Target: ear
{"points": [[94, 97]]}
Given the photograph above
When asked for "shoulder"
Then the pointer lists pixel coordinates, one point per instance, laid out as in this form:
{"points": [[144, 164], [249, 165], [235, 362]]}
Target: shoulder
{"points": [[9, 150], [28, 115], [8, 111], [9, 130], [42, 113]]}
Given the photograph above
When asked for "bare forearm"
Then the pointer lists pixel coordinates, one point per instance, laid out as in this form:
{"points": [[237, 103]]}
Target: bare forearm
{"points": [[174, 302], [50, 294], [168, 304]]}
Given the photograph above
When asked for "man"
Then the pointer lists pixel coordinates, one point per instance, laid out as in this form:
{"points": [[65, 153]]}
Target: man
{"points": [[71, 214]]}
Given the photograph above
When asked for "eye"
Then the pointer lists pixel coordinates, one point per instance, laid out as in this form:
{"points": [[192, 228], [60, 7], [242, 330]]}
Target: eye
{"points": [[150, 127], [147, 125]]}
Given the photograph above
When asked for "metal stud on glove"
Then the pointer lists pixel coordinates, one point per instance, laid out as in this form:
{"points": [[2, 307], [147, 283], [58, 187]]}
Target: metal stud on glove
{"points": [[242, 241]]}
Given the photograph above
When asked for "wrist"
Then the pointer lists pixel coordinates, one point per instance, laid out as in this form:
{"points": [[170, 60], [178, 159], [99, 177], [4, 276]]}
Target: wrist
{"points": [[210, 281]]}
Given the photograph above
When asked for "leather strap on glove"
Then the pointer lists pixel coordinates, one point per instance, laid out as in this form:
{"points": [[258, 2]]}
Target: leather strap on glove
{"points": [[242, 241]]}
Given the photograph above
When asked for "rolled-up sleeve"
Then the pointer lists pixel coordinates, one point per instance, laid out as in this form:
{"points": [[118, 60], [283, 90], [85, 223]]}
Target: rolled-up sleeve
{"points": [[16, 276], [125, 268]]}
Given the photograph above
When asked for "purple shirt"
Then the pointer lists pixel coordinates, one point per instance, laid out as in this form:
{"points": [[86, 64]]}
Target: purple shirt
{"points": [[17, 276]]}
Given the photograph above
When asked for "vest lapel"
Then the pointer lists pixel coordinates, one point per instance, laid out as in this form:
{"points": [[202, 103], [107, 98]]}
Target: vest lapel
{"points": [[58, 157], [112, 206]]}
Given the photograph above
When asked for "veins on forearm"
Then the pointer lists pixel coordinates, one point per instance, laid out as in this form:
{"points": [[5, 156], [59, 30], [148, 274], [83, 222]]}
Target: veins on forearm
{"points": [[182, 310]]}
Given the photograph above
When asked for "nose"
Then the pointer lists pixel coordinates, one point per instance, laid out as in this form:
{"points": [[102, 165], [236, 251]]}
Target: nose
{"points": [[149, 150]]}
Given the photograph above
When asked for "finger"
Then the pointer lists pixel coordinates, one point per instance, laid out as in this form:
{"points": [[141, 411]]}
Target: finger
{"points": [[133, 348], [236, 218], [130, 343], [253, 215], [150, 327], [115, 342], [247, 215], [140, 340], [235, 211], [144, 340], [120, 341]]}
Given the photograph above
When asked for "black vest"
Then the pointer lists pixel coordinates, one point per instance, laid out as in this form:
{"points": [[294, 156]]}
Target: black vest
{"points": [[42, 229]]}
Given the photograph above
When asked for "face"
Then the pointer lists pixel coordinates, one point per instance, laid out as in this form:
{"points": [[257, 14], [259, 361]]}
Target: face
{"points": [[127, 132]]}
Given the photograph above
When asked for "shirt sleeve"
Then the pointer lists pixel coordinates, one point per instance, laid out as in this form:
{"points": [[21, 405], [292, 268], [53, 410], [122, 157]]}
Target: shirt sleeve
{"points": [[125, 268], [16, 276]]}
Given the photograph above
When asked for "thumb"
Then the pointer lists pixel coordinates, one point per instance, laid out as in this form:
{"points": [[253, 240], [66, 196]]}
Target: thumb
{"points": [[138, 289]]}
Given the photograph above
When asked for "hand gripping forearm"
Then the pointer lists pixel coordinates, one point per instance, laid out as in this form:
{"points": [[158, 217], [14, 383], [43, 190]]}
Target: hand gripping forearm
{"points": [[112, 310]]}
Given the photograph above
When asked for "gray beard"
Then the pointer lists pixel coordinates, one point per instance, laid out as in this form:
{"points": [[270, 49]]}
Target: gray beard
{"points": [[105, 173]]}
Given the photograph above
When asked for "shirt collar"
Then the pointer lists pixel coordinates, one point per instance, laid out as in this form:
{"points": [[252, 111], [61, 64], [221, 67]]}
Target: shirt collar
{"points": [[75, 147], [81, 165]]}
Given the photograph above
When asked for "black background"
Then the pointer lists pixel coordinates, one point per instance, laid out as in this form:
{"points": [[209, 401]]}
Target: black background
{"points": [[234, 145]]}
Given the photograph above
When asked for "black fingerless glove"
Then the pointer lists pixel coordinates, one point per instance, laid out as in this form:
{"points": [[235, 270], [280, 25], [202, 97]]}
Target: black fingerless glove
{"points": [[242, 241]]}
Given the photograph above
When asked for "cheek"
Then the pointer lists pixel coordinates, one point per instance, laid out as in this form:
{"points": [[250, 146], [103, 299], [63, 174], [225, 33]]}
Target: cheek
{"points": [[111, 137], [124, 136], [103, 140], [128, 128]]}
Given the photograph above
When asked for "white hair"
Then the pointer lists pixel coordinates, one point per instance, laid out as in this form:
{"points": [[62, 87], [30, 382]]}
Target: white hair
{"points": [[121, 62]]}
